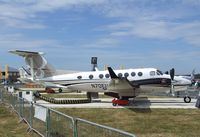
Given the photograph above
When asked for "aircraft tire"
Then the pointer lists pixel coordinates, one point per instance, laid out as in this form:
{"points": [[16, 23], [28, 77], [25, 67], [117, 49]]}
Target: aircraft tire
{"points": [[187, 99], [37, 94], [114, 104], [60, 90]]}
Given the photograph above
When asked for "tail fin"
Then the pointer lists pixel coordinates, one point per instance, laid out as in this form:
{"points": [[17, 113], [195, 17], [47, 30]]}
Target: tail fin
{"points": [[38, 64]]}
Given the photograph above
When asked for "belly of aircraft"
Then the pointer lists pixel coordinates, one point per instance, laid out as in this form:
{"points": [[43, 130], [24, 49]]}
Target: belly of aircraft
{"points": [[152, 90]]}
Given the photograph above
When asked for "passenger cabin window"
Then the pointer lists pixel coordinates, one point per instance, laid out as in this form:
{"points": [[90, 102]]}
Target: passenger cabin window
{"points": [[91, 76], [126, 75], [152, 73], [140, 74], [133, 74], [79, 77], [100, 76], [107, 75], [120, 75]]}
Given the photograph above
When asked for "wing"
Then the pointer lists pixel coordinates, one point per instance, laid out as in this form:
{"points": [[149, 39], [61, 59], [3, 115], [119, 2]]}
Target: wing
{"points": [[119, 84]]}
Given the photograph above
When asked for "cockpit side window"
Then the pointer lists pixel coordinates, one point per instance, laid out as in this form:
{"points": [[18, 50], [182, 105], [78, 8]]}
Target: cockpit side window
{"points": [[152, 73], [158, 72]]}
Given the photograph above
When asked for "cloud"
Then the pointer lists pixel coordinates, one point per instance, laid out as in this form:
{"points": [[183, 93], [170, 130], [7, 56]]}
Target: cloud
{"points": [[19, 41], [103, 43], [166, 30], [162, 20], [46, 5], [21, 24], [17, 16], [13, 13]]}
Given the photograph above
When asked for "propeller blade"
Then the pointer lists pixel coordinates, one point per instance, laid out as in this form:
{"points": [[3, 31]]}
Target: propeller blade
{"points": [[172, 73], [167, 72]]}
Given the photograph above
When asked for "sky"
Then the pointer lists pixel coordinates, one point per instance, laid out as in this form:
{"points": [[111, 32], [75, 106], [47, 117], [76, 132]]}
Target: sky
{"points": [[163, 34]]}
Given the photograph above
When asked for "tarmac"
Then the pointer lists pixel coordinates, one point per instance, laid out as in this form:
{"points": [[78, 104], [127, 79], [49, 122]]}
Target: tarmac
{"points": [[164, 103]]}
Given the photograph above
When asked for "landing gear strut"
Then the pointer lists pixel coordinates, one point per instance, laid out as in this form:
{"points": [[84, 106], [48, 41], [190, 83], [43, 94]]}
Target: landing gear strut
{"points": [[60, 90]]}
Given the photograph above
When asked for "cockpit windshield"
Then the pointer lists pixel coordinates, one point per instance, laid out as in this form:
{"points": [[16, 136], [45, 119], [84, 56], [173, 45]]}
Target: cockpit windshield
{"points": [[158, 72]]}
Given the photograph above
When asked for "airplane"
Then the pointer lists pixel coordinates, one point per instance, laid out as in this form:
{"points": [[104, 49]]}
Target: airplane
{"points": [[120, 84]]}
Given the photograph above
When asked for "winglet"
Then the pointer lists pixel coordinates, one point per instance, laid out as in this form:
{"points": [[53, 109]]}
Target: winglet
{"points": [[112, 73]]}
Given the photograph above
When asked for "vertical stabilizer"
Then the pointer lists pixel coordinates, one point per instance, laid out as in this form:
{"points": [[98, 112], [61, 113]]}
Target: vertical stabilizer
{"points": [[39, 66]]}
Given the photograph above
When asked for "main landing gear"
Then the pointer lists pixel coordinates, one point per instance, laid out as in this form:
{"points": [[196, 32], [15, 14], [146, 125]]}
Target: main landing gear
{"points": [[60, 90]]}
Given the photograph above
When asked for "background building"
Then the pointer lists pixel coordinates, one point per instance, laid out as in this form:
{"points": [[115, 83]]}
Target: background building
{"points": [[9, 74]]}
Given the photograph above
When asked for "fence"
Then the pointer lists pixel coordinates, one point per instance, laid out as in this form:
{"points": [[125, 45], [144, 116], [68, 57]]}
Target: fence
{"points": [[51, 123]]}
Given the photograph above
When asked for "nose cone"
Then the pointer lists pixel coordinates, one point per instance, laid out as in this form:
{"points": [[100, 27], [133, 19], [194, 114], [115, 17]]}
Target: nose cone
{"points": [[180, 81], [188, 82]]}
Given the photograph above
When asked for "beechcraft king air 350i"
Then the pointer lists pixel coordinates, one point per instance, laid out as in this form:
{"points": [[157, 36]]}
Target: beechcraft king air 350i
{"points": [[121, 84]]}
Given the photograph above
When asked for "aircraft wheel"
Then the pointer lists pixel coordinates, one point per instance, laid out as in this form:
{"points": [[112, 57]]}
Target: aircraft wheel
{"points": [[37, 94], [187, 99], [60, 90], [114, 104]]}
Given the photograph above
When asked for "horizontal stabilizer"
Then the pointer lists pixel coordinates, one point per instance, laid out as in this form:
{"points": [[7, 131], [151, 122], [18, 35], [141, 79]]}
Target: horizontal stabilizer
{"points": [[25, 53]]}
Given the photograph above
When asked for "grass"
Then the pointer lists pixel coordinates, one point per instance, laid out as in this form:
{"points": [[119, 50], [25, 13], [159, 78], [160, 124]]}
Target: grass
{"points": [[142, 122], [145, 122], [10, 125]]}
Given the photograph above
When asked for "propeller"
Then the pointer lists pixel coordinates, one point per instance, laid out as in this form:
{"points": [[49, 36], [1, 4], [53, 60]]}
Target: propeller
{"points": [[172, 74], [193, 77]]}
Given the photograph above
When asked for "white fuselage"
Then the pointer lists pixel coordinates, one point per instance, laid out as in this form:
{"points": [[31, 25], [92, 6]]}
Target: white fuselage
{"points": [[132, 80], [98, 81]]}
